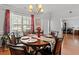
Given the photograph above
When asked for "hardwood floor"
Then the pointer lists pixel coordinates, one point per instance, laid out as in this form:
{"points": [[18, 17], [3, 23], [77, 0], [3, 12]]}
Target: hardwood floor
{"points": [[70, 46], [5, 51]]}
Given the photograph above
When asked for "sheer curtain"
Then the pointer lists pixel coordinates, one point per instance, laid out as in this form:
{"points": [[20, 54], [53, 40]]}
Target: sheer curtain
{"points": [[19, 23]]}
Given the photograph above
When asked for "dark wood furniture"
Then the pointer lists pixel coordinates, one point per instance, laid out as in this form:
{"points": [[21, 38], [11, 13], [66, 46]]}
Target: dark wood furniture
{"points": [[58, 45], [36, 46], [17, 50], [54, 34], [13, 42], [76, 32], [13, 39]]}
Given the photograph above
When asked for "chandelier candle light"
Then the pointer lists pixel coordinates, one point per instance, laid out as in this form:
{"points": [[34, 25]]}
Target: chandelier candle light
{"points": [[37, 9]]}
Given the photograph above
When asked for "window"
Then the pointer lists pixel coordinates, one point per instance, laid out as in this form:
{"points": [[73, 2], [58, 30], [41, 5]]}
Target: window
{"points": [[19, 23], [26, 21]]}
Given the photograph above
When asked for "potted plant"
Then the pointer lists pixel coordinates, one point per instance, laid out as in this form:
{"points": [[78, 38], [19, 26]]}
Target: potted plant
{"points": [[4, 39]]}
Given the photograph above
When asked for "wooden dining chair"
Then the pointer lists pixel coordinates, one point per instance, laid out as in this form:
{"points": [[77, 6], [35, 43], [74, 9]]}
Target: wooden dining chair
{"points": [[54, 34], [16, 50], [57, 47], [13, 41], [27, 32]]}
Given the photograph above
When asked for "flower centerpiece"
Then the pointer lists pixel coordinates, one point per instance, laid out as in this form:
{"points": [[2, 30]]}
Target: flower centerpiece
{"points": [[38, 31]]}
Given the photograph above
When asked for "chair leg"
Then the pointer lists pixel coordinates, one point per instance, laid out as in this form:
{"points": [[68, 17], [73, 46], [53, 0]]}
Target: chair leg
{"points": [[60, 52]]}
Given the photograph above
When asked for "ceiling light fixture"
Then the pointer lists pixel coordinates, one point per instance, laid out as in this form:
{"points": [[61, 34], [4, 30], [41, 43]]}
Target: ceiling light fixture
{"points": [[35, 9]]}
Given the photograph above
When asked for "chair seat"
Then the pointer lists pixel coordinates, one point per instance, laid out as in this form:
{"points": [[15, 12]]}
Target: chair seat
{"points": [[20, 44], [14, 50], [17, 48]]}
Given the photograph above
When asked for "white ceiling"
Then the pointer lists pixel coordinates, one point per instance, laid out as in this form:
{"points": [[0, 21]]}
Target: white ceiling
{"points": [[52, 8]]}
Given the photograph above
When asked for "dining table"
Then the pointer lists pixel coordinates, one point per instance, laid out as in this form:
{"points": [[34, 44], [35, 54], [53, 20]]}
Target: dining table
{"points": [[36, 43]]}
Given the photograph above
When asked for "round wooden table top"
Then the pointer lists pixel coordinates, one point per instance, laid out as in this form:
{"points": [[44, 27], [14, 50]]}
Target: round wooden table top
{"points": [[37, 43]]}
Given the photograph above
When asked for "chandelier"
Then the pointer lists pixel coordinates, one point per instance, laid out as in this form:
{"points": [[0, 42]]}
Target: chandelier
{"points": [[38, 8]]}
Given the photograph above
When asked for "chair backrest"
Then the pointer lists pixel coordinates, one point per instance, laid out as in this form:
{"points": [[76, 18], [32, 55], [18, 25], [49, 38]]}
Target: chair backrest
{"points": [[14, 50], [54, 33], [57, 48], [13, 39], [24, 34]]}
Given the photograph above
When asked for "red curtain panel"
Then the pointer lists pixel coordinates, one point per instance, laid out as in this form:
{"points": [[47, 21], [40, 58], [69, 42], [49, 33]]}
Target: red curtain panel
{"points": [[7, 21], [32, 23]]}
